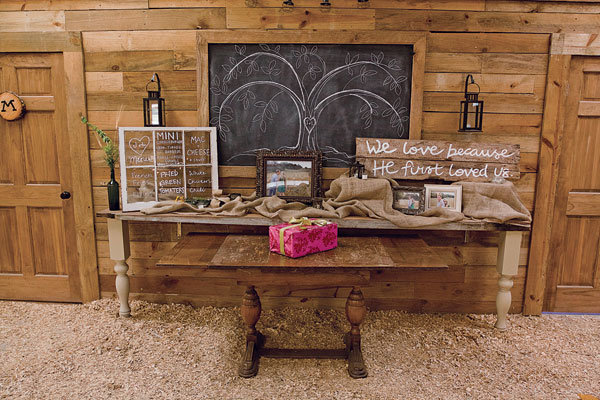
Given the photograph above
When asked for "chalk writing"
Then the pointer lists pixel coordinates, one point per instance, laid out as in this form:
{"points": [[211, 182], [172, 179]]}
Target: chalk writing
{"points": [[162, 164]]}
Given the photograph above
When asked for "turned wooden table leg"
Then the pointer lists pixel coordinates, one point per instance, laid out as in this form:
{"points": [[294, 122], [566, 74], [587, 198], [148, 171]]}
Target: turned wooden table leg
{"points": [[356, 311], [118, 240], [509, 248], [254, 340]]}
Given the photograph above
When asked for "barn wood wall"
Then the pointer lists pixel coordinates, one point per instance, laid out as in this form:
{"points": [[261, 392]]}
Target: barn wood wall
{"points": [[503, 43]]}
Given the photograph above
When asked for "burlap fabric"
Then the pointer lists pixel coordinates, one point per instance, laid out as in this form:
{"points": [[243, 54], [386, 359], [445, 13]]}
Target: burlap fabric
{"points": [[366, 198]]}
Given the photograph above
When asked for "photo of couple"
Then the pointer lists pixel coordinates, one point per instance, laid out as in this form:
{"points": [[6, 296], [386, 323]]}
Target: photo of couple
{"points": [[288, 178]]}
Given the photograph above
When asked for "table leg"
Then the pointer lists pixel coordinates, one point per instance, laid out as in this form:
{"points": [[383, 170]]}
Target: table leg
{"points": [[118, 240], [251, 309], [356, 311], [509, 249]]}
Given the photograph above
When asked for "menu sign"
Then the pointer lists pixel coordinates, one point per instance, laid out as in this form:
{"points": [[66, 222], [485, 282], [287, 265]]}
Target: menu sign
{"points": [[426, 159], [160, 164]]}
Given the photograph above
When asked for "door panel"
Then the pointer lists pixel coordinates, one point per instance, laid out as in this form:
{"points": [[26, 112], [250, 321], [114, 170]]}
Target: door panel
{"points": [[49, 252], [38, 258], [9, 252], [574, 270], [41, 156], [34, 81]]}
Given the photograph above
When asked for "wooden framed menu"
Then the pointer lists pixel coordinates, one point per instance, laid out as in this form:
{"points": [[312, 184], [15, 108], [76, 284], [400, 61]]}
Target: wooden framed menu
{"points": [[159, 164]]}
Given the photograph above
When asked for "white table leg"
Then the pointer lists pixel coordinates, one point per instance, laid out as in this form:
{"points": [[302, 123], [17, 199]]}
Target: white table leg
{"points": [[509, 248], [118, 240]]}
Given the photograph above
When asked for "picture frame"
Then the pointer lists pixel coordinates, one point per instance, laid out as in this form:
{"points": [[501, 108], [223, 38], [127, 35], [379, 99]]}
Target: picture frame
{"points": [[409, 199], [288, 174], [445, 196]]}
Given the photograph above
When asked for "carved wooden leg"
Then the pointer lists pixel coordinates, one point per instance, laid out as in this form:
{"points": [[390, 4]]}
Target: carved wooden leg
{"points": [[118, 240], [122, 286], [254, 340], [356, 312], [509, 248]]}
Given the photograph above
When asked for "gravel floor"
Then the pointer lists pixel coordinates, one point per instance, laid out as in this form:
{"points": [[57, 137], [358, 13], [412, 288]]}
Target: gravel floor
{"points": [[58, 351]]}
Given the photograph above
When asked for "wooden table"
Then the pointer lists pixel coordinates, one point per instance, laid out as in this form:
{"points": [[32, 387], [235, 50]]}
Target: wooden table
{"points": [[348, 265]]}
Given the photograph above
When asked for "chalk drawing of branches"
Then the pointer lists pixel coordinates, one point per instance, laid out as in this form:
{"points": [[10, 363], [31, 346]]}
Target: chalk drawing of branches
{"points": [[309, 104]]}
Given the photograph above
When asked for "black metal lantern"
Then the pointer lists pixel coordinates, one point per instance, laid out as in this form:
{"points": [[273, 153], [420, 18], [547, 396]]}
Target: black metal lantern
{"points": [[471, 109], [154, 105]]}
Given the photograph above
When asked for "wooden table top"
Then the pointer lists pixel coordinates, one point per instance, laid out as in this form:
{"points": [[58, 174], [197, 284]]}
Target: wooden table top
{"points": [[348, 222]]}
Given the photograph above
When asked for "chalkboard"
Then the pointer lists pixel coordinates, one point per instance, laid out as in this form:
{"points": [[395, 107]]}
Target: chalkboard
{"points": [[307, 97], [165, 163]]}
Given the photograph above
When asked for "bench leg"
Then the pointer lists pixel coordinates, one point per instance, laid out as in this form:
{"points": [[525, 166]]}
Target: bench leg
{"points": [[355, 312], [509, 248], [254, 340]]}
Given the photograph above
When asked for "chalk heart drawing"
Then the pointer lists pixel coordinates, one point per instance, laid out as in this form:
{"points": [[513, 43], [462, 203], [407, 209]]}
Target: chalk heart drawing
{"points": [[308, 93], [138, 146]]}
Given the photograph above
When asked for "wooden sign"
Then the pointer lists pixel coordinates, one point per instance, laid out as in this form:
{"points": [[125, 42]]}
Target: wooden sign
{"points": [[160, 164], [449, 161], [12, 107]]}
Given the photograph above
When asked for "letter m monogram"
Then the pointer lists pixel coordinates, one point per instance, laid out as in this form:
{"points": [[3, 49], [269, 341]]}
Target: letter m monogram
{"points": [[10, 103]]}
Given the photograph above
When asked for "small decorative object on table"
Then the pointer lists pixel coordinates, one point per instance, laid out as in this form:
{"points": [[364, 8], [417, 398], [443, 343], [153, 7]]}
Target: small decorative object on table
{"points": [[291, 175], [409, 199], [444, 196], [302, 236], [357, 170], [198, 201], [233, 196], [111, 155]]}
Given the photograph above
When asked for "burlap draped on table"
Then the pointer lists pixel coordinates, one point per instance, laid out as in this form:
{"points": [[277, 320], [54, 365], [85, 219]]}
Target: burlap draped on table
{"points": [[370, 198]]}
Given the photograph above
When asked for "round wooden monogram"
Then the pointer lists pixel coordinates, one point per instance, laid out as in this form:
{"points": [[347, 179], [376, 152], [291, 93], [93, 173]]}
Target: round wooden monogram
{"points": [[12, 107]]}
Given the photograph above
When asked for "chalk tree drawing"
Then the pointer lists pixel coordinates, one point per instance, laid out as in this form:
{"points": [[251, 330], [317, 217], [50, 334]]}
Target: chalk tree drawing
{"points": [[249, 89]]}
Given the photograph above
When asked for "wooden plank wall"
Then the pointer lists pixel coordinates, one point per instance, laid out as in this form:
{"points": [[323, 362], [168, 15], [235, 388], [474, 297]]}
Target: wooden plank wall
{"points": [[505, 44]]}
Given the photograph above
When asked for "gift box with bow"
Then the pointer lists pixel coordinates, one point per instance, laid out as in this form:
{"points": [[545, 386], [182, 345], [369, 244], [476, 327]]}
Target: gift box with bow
{"points": [[302, 236]]}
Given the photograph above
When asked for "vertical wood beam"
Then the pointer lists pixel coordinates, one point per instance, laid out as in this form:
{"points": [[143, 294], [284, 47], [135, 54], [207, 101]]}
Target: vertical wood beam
{"points": [[552, 132], [80, 169], [418, 82]]}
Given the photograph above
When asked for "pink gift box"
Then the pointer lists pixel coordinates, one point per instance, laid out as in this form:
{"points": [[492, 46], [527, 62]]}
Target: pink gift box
{"points": [[299, 241]]}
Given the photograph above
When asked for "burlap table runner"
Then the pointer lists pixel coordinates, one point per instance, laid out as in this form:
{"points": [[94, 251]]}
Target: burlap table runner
{"points": [[369, 198]]}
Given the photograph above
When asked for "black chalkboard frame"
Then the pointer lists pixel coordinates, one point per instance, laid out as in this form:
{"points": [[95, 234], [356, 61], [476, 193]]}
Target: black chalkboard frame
{"points": [[418, 41]]}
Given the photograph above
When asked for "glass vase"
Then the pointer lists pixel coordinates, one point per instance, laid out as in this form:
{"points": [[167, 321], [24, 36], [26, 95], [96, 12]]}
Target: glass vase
{"points": [[113, 192]]}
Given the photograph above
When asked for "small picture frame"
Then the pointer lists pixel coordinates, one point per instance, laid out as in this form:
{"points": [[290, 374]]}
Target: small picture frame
{"points": [[444, 196], [409, 199], [288, 174]]}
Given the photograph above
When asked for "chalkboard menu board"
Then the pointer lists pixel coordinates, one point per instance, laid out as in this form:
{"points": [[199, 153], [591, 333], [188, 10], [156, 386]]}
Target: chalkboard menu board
{"points": [[160, 164], [303, 96]]}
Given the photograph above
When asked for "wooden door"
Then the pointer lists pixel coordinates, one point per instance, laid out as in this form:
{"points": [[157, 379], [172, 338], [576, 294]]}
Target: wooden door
{"points": [[574, 259], [38, 251]]}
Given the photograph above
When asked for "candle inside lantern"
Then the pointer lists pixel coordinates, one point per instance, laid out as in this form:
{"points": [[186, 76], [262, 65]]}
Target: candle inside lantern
{"points": [[154, 114]]}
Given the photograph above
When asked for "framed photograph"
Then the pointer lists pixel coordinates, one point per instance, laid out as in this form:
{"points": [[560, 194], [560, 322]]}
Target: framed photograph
{"points": [[445, 196], [291, 175], [409, 199]]}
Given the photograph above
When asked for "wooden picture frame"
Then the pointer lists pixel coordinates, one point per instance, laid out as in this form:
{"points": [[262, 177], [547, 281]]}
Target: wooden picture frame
{"points": [[449, 195], [163, 163], [409, 199], [275, 169]]}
